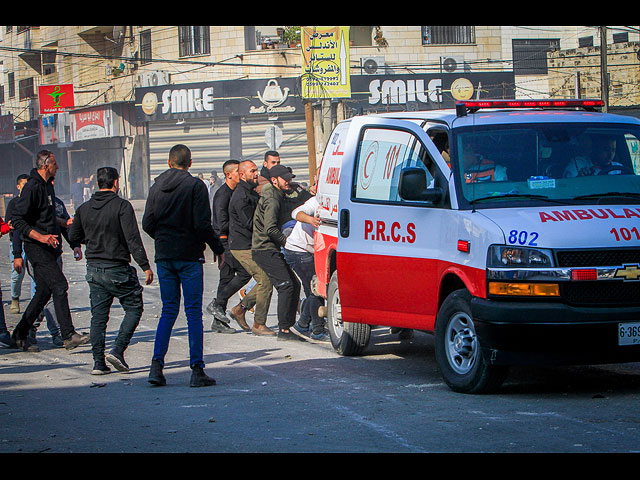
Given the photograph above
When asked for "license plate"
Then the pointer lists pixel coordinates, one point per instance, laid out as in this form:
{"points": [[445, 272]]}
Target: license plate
{"points": [[629, 333]]}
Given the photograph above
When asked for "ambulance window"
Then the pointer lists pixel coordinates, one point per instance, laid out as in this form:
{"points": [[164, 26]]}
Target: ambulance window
{"points": [[382, 155]]}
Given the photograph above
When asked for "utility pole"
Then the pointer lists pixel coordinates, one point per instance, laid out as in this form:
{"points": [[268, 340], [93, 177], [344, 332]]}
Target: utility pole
{"points": [[604, 75]]}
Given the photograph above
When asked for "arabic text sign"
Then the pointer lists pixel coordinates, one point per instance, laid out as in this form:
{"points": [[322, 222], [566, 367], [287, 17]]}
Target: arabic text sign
{"points": [[55, 98], [325, 62]]}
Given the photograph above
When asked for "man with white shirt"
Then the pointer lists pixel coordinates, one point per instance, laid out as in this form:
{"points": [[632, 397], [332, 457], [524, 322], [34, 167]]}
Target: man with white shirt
{"points": [[298, 253]]}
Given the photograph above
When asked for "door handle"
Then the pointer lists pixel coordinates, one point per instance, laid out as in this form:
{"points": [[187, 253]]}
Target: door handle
{"points": [[344, 223]]}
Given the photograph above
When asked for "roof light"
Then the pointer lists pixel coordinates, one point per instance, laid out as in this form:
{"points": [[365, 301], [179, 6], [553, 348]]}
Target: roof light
{"points": [[465, 106]]}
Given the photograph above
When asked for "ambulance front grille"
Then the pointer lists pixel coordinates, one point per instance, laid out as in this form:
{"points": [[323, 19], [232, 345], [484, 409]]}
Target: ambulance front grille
{"points": [[612, 257], [601, 293]]}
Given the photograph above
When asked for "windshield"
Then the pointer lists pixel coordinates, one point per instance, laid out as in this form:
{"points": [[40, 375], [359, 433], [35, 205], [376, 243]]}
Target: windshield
{"points": [[506, 165]]}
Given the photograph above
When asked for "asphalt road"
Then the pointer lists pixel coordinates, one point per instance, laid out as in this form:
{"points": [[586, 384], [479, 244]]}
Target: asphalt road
{"points": [[275, 397]]}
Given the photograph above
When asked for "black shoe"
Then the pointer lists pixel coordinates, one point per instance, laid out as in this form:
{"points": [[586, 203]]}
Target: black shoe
{"points": [[200, 379], [100, 368], [155, 374], [116, 359], [217, 311], [23, 344], [221, 327], [289, 335]]}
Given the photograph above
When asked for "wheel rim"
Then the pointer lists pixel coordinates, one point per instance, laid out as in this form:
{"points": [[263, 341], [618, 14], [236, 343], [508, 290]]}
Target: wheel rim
{"points": [[335, 314], [461, 343]]}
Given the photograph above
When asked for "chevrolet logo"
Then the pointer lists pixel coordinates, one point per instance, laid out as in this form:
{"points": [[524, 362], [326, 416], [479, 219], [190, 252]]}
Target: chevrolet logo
{"points": [[628, 272]]}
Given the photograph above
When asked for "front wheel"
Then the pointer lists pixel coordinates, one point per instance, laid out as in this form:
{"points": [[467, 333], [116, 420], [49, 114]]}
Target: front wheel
{"points": [[457, 349], [347, 338]]}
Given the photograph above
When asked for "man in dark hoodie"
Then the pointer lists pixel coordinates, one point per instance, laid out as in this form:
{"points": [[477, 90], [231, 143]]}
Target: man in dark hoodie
{"points": [[107, 225], [178, 217], [34, 216]]}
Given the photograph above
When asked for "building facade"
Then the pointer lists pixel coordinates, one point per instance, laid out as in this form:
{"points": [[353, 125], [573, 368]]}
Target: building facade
{"points": [[234, 91]]}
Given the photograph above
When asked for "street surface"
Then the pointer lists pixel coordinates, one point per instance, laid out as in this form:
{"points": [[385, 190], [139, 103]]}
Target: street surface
{"points": [[274, 396]]}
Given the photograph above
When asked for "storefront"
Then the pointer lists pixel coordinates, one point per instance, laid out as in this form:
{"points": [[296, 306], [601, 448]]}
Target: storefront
{"points": [[239, 119]]}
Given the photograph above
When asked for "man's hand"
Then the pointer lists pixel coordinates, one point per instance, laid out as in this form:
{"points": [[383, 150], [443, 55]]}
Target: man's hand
{"points": [[149, 275], [49, 239], [77, 253], [18, 264]]}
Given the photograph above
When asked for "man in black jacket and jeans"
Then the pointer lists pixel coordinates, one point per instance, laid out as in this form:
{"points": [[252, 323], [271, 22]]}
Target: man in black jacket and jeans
{"points": [[34, 216], [107, 225], [233, 276], [178, 217]]}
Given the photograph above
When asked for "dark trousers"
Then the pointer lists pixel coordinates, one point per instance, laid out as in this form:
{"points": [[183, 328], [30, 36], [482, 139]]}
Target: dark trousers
{"points": [[285, 282], [50, 281], [233, 277], [303, 265], [105, 284]]}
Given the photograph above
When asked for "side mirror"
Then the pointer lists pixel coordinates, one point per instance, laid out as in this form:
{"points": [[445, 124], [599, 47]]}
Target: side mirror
{"points": [[413, 186]]}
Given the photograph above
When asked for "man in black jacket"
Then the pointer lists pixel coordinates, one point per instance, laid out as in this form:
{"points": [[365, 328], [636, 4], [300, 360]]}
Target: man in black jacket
{"points": [[107, 225], [233, 276], [241, 209], [178, 217], [34, 216]]}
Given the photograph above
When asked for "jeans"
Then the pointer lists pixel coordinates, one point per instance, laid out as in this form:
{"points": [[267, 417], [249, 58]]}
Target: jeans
{"points": [[285, 282], [16, 278], [50, 282], [48, 312], [303, 264], [233, 277], [174, 275], [105, 284]]}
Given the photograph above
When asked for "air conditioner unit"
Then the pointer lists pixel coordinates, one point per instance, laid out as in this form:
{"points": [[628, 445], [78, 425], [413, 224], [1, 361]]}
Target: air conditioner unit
{"points": [[373, 65], [153, 79], [453, 64]]}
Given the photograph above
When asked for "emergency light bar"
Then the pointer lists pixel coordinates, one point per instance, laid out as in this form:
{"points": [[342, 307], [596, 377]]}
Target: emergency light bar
{"points": [[470, 106]]}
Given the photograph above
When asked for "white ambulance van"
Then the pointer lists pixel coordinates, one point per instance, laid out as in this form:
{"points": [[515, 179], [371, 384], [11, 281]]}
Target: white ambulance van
{"points": [[524, 249]]}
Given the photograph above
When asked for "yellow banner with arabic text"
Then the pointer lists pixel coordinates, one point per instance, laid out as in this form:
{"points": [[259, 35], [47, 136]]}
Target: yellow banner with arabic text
{"points": [[325, 62]]}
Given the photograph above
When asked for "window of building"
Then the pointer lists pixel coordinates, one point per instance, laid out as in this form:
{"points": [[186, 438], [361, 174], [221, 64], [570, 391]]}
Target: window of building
{"points": [[145, 47], [193, 41], [585, 41], [361, 36], [25, 88], [530, 55], [448, 35], [621, 37], [12, 84]]}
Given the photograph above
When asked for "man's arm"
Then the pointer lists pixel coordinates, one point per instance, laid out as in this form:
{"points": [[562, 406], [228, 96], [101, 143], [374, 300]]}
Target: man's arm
{"points": [[202, 219]]}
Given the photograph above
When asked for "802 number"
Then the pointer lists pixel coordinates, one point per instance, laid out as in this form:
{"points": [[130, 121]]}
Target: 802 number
{"points": [[523, 238]]}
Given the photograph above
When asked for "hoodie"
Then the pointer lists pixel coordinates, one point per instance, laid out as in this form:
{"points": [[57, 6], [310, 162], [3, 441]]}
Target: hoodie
{"points": [[107, 225], [35, 210], [177, 216]]}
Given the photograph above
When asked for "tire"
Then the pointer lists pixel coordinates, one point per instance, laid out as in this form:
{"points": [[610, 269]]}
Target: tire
{"points": [[347, 338], [457, 349]]}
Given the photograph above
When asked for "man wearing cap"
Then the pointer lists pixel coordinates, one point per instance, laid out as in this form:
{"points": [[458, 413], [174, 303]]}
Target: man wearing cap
{"points": [[266, 249]]}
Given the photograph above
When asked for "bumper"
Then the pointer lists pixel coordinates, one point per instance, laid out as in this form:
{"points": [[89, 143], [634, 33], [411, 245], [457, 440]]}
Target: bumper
{"points": [[528, 333]]}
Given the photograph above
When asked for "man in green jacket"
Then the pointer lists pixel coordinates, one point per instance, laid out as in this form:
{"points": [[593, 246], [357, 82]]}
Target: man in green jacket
{"points": [[266, 249]]}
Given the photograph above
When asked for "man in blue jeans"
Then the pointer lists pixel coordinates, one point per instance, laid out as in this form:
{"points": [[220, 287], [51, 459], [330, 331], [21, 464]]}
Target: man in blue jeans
{"points": [[178, 217]]}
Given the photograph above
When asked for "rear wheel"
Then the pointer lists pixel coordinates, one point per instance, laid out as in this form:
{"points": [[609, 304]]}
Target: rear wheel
{"points": [[457, 349], [347, 338]]}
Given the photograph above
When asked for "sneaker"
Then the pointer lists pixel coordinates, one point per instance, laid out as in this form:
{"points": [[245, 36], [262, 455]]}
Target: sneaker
{"points": [[5, 338], [302, 330], [200, 379], [221, 327], [75, 340], [116, 359], [237, 313], [57, 341], [289, 335], [100, 368], [155, 374], [321, 337]]}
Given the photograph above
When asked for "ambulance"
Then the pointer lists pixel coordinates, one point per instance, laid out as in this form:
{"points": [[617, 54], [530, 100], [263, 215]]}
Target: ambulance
{"points": [[508, 229]]}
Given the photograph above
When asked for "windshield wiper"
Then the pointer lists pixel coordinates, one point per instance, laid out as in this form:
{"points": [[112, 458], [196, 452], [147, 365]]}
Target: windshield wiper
{"points": [[607, 194], [527, 196]]}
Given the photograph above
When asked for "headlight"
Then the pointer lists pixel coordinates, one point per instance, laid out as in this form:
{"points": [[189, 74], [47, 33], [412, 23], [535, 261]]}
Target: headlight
{"points": [[514, 257]]}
